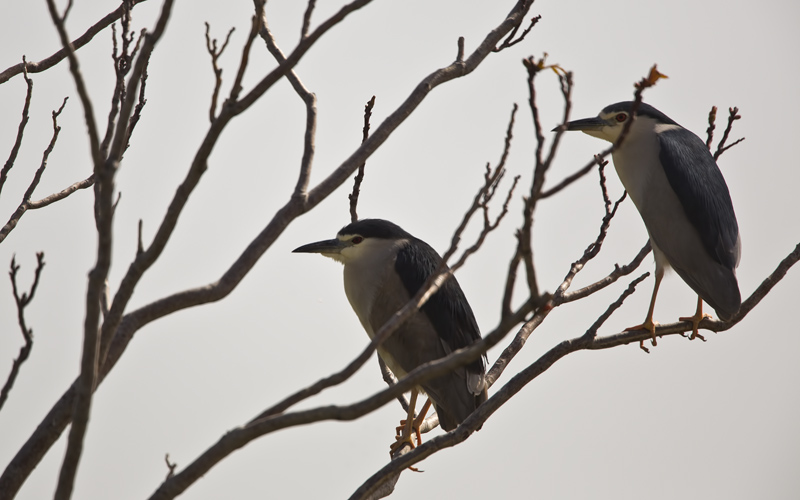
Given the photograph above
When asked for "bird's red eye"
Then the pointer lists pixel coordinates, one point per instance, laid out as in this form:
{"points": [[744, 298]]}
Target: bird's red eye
{"points": [[357, 239], [621, 117]]}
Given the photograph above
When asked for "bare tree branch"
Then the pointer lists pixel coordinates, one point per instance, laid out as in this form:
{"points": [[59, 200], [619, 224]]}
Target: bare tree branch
{"points": [[85, 183], [524, 235], [122, 65], [733, 115], [391, 380], [712, 117], [104, 171], [91, 125], [254, 28], [26, 203], [22, 302], [215, 53], [307, 18], [49, 62], [559, 297], [170, 465], [612, 277], [21, 129], [353, 197], [510, 40], [310, 101]]}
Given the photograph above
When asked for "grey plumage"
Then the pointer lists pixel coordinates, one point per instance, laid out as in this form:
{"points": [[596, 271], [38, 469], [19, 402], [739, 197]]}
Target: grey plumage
{"points": [[384, 266], [682, 197]]}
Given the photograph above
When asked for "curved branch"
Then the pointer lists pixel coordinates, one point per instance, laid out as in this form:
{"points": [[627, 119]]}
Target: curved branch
{"points": [[27, 204], [49, 62], [308, 98], [27, 333], [12, 157]]}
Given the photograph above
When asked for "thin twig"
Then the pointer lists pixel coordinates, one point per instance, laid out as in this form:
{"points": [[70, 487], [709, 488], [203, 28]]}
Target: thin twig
{"points": [[21, 129], [353, 196], [568, 180], [613, 276], [137, 110], [170, 466], [83, 93], [22, 301], [85, 183], [121, 68], [511, 41], [307, 18], [236, 89], [391, 380], [591, 333], [733, 115], [310, 101], [712, 118], [524, 234], [560, 297], [26, 204], [215, 53]]}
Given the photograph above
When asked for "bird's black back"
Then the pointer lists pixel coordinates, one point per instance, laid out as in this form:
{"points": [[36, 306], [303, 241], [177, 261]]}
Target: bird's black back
{"points": [[448, 309], [697, 181]]}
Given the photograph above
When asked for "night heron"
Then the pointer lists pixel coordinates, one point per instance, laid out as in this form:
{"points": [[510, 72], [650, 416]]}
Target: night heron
{"points": [[384, 266], [682, 197]]}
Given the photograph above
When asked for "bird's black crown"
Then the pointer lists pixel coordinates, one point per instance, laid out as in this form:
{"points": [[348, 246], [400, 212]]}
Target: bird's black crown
{"points": [[375, 228]]}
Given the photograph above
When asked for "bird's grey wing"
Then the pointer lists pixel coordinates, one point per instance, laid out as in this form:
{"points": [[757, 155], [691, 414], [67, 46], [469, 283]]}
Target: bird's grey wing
{"points": [[448, 309], [697, 181]]}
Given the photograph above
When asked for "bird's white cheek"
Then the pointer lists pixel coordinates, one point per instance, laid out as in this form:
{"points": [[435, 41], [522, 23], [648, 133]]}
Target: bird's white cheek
{"points": [[605, 133], [335, 256]]}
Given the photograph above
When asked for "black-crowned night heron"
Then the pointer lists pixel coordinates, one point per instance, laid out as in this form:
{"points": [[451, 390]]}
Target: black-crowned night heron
{"points": [[682, 197], [384, 266]]}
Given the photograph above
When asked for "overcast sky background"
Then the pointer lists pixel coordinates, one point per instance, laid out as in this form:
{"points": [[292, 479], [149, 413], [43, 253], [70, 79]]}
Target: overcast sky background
{"points": [[690, 420]]}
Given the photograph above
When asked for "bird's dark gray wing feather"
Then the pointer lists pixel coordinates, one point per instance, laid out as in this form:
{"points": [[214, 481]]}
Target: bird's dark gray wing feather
{"points": [[701, 189], [447, 309]]}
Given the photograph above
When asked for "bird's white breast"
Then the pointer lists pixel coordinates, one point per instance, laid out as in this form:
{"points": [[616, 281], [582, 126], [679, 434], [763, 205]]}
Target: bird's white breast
{"points": [[365, 274], [639, 169]]}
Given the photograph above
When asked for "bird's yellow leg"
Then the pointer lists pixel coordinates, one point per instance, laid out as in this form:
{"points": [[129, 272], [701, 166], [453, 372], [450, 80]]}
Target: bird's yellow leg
{"points": [[420, 419], [696, 319], [407, 426], [649, 324], [404, 430]]}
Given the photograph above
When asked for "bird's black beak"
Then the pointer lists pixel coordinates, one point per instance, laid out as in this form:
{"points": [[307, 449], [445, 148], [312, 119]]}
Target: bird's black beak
{"points": [[324, 247], [585, 124]]}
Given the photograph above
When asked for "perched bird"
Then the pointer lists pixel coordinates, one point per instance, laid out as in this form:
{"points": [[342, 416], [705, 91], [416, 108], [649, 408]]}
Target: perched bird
{"points": [[682, 197], [384, 266]]}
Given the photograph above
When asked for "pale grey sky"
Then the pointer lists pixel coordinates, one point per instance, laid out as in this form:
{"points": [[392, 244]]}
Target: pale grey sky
{"points": [[690, 420]]}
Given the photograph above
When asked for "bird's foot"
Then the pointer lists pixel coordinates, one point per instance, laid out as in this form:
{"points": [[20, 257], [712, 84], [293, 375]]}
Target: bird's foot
{"points": [[648, 325], [405, 436], [415, 432], [695, 320]]}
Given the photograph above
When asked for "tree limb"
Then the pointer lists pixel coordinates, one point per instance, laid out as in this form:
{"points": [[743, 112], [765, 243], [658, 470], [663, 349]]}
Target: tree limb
{"points": [[22, 302], [49, 62], [26, 203], [21, 129]]}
